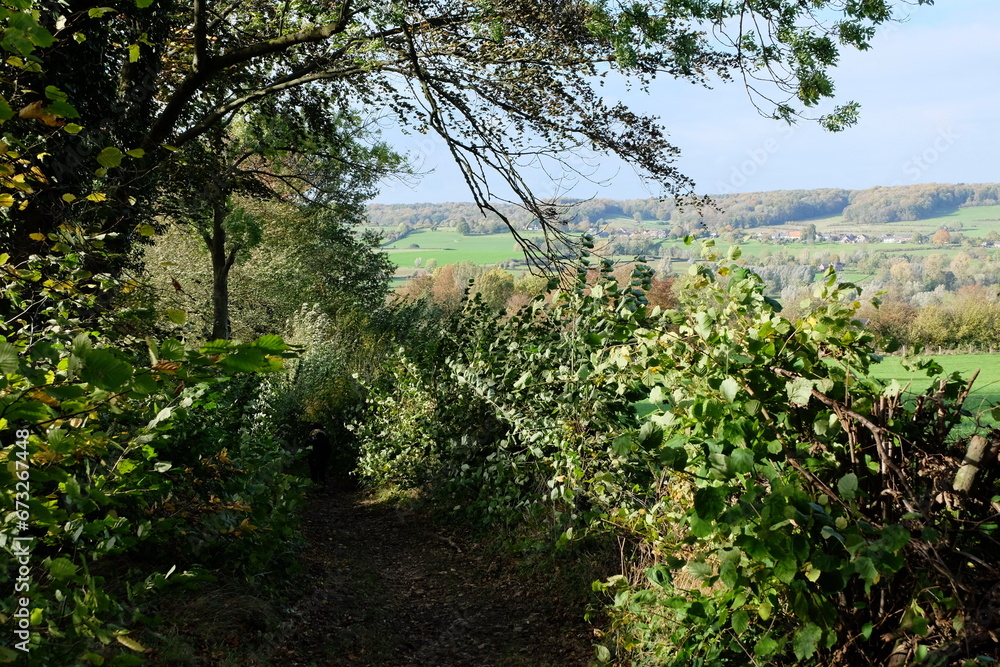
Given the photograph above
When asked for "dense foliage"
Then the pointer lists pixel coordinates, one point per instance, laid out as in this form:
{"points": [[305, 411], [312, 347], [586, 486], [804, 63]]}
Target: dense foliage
{"points": [[779, 504], [146, 465]]}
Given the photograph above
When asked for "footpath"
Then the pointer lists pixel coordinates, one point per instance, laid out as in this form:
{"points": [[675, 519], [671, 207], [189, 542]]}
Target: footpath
{"points": [[388, 588]]}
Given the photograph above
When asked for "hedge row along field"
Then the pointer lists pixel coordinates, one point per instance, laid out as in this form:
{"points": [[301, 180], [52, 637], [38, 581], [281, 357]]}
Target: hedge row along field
{"points": [[782, 503]]}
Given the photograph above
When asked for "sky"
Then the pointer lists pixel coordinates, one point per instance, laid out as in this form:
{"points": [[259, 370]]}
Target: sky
{"points": [[929, 90]]}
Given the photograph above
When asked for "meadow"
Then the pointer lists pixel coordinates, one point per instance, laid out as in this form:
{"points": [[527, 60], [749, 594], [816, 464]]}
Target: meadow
{"points": [[985, 391]]}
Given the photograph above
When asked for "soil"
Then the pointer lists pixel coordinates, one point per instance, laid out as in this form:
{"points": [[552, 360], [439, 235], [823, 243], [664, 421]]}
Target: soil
{"points": [[389, 587]]}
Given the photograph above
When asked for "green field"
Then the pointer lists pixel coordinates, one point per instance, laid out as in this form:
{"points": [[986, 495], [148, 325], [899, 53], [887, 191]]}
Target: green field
{"points": [[985, 392], [447, 247], [984, 395]]}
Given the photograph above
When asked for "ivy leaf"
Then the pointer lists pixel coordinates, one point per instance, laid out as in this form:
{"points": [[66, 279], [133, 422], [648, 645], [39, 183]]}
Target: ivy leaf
{"points": [[799, 391], [806, 640]]}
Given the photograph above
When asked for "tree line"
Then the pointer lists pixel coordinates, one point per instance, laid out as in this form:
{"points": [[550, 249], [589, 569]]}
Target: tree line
{"points": [[741, 211]]}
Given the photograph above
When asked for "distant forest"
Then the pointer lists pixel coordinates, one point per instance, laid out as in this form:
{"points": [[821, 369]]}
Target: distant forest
{"points": [[738, 211]]}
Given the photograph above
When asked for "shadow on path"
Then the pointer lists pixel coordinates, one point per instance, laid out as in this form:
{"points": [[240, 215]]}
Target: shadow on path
{"points": [[387, 588]]}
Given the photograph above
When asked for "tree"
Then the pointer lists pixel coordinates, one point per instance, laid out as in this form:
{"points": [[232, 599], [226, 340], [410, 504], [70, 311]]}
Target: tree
{"points": [[312, 162], [500, 82], [941, 236], [462, 228]]}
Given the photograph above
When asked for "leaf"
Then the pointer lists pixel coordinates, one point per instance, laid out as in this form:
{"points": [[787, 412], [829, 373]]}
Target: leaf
{"points": [[105, 371], [709, 502], [98, 12], [133, 53], [147, 230], [6, 112], [247, 359], [622, 445], [136, 153], [162, 466], [142, 4], [765, 646], [97, 197], [650, 436], [729, 389], [69, 197], [128, 642], [9, 359], [799, 391], [176, 315], [602, 653], [741, 460], [271, 343], [806, 640], [848, 486], [740, 621], [110, 157], [73, 128], [6, 200], [62, 568]]}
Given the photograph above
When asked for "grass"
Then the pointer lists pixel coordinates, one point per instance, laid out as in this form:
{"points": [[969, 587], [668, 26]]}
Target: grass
{"points": [[984, 395], [985, 392], [447, 247]]}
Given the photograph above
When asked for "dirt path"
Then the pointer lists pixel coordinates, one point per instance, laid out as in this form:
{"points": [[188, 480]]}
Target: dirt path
{"points": [[390, 588]]}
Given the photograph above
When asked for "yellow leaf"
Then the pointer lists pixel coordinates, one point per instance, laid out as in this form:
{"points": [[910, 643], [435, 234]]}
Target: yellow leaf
{"points": [[97, 196], [73, 128], [69, 197], [135, 152], [127, 641], [6, 200], [147, 230], [37, 236]]}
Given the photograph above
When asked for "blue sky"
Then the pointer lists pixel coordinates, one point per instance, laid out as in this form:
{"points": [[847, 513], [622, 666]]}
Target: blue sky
{"points": [[930, 104]]}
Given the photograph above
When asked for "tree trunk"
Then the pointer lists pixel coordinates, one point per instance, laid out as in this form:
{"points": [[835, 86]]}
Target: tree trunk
{"points": [[220, 273]]}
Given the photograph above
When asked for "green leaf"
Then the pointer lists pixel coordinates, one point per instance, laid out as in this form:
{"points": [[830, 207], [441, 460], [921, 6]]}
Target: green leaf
{"points": [[133, 53], [729, 389], [806, 641], [650, 436], [62, 568], [765, 647], [271, 344], [142, 4], [740, 621], [622, 445], [9, 359], [741, 460], [176, 315], [848, 486], [799, 391], [97, 12], [6, 112], [602, 653], [110, 157], [709, 502], [105, 371], [247, 359]]}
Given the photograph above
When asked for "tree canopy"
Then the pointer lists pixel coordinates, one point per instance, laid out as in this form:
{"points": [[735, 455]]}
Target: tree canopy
{"points": [[97, 98]]}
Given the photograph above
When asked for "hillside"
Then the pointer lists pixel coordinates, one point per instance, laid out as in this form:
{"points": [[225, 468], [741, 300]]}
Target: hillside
{"points": [[878, 205]]}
